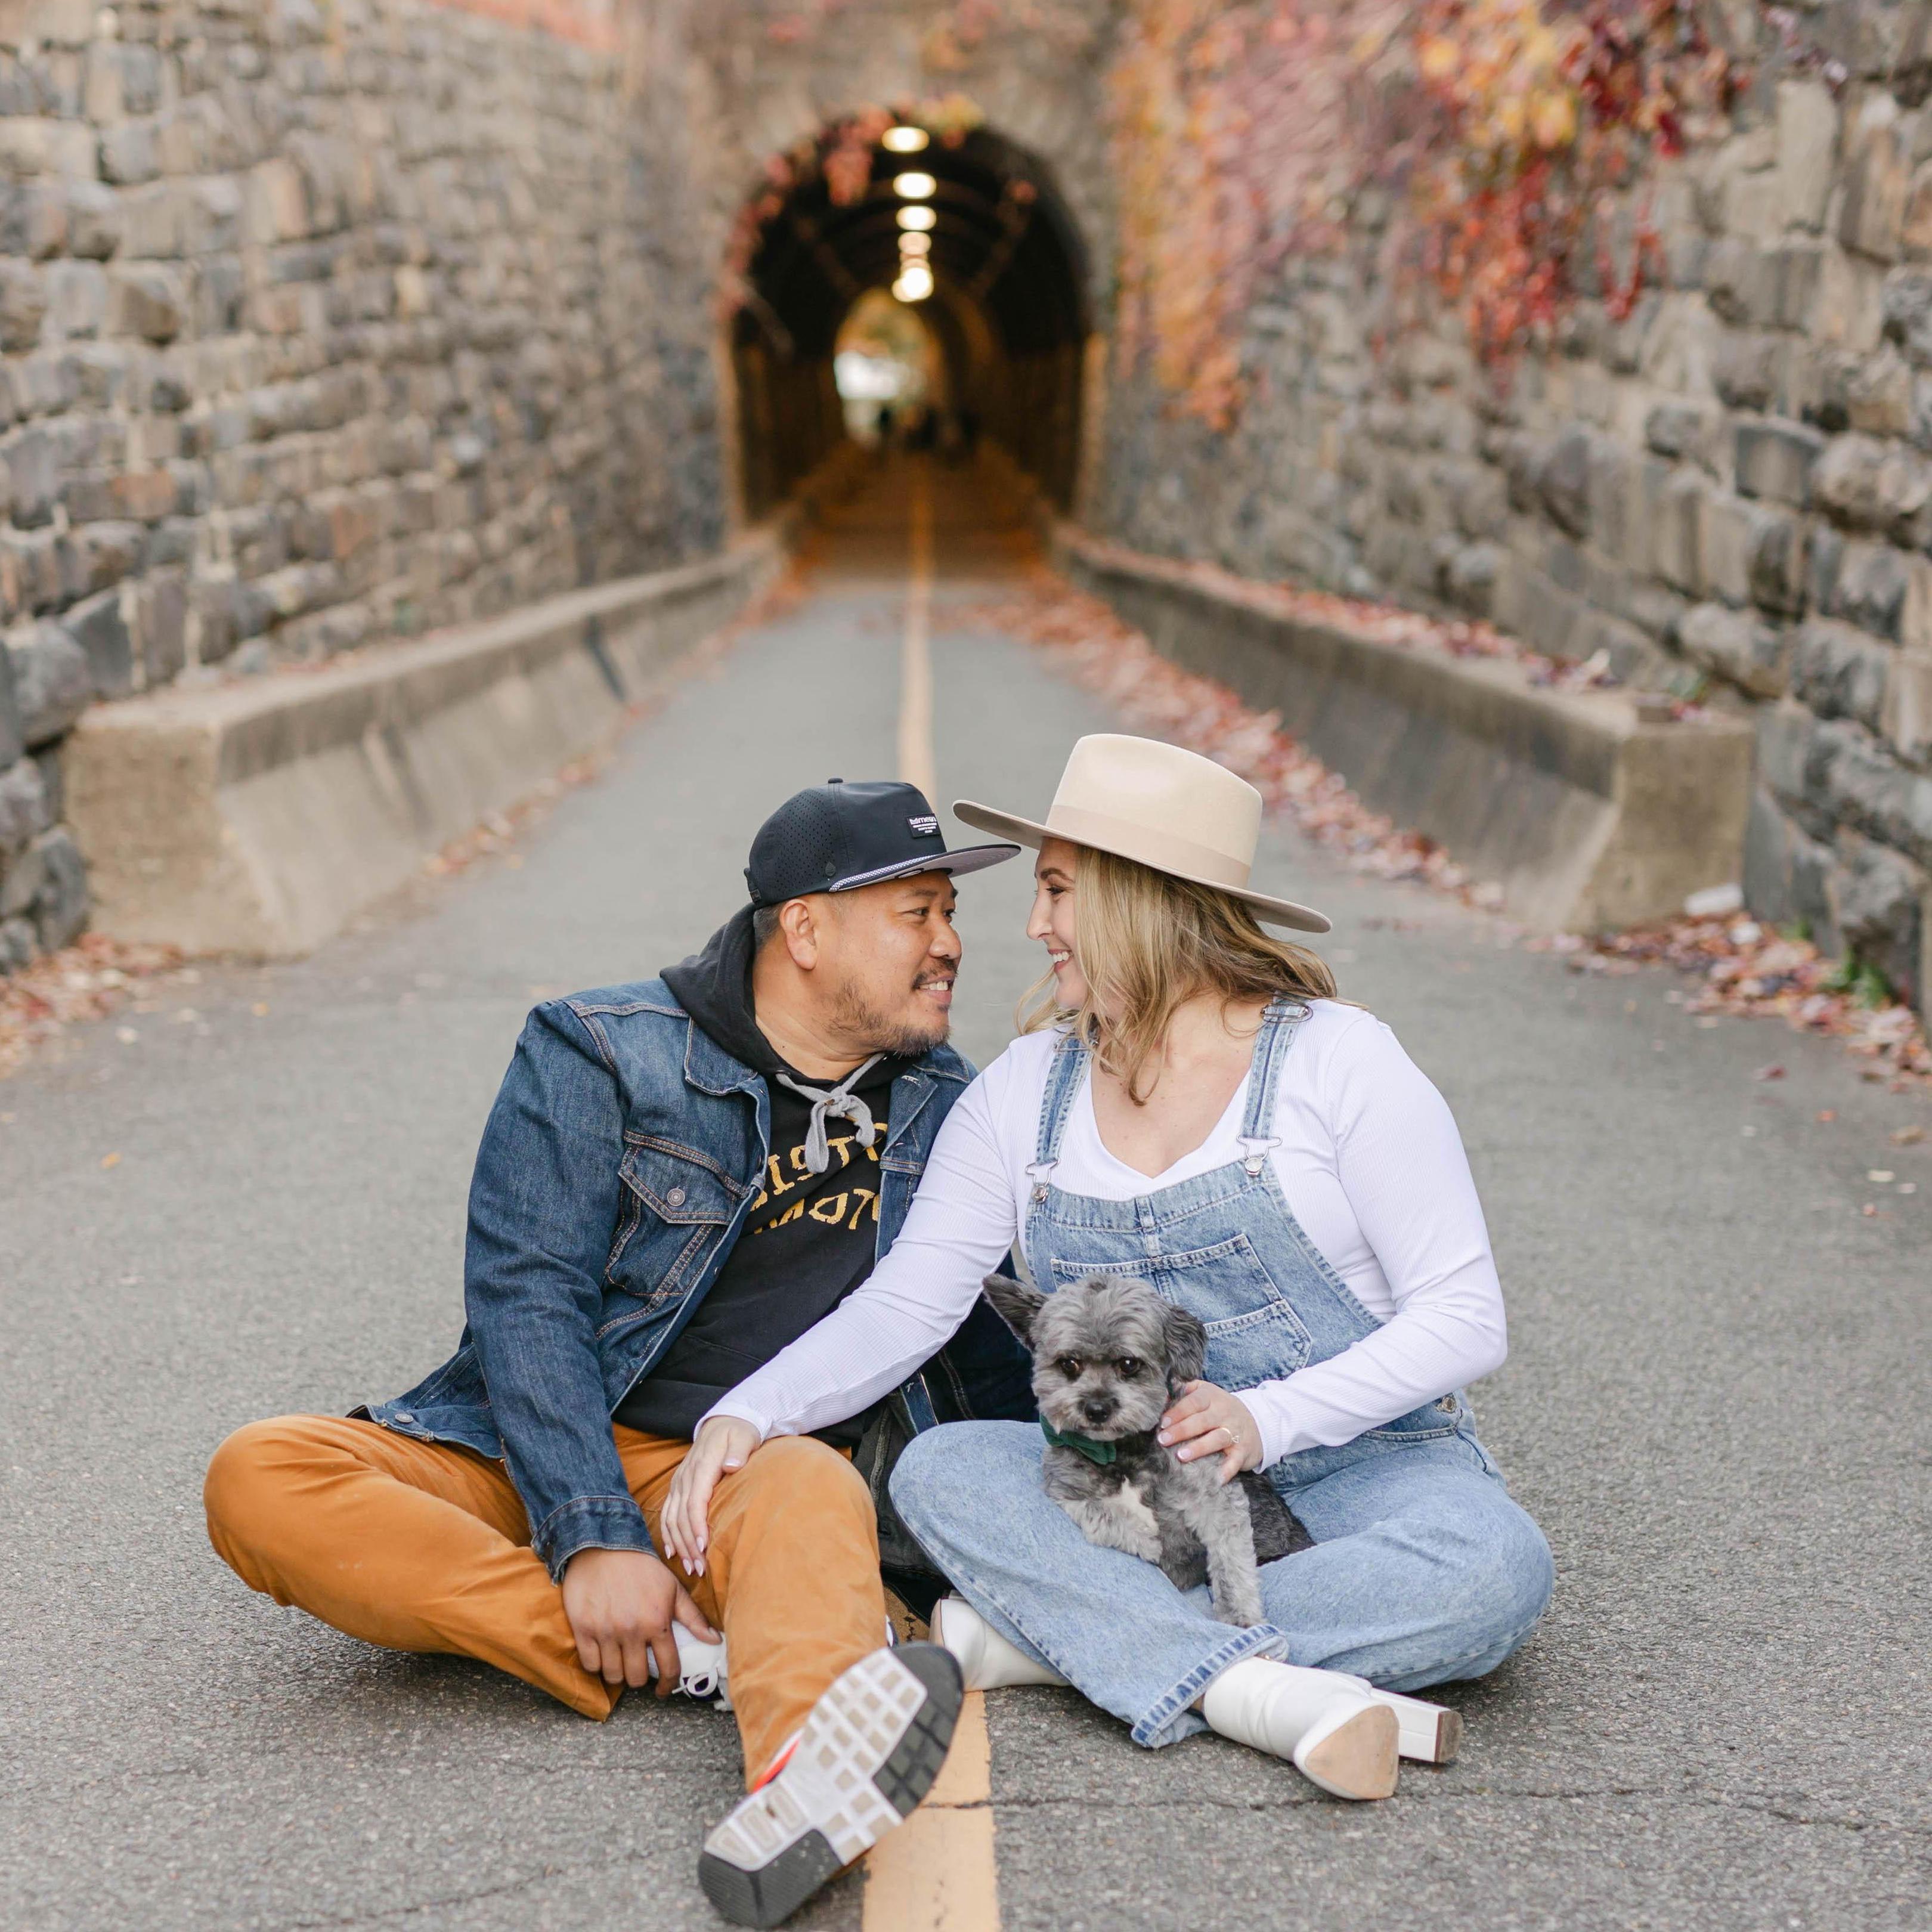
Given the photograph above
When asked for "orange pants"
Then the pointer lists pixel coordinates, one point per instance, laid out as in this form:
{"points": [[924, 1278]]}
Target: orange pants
{"points": [[418, 1546]]}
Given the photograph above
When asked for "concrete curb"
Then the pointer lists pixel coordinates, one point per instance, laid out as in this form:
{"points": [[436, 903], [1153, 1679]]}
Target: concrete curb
{"points": [[258, 817], [1586, 816]]}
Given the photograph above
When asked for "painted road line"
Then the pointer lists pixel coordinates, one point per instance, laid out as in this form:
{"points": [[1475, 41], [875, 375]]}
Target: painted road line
{"points": [[916, 761], [936, 1873]]}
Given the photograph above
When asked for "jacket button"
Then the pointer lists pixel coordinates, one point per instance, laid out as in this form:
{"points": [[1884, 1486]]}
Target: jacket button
{"points": [[675, 1198], [404, 1415]]}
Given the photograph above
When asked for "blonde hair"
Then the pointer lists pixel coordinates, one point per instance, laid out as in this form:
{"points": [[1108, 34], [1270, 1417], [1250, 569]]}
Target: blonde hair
{"points": [[1147, 943]]}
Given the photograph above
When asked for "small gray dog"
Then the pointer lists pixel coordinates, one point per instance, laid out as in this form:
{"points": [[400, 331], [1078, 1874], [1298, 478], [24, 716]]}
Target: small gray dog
{"points": [[1108, 1356]]}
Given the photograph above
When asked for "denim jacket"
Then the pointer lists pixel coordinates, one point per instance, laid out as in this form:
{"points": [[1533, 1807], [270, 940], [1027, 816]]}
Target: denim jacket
{"points": [[617, 1167]]}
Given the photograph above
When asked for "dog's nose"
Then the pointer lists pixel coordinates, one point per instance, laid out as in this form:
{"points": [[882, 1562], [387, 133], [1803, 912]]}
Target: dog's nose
{"points": [[1097, 1408]]}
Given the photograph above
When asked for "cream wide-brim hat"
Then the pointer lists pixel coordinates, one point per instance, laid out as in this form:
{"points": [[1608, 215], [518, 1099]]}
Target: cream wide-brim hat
{"points": [[1172, 810]]}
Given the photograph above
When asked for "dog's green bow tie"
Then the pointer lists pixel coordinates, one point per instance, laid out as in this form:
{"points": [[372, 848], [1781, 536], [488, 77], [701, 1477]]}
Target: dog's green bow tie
{"points": [[1085, 1445]]}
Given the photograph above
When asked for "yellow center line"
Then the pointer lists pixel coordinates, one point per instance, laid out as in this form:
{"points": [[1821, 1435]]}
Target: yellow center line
{"points": [[916, 761], [937, 1872]]}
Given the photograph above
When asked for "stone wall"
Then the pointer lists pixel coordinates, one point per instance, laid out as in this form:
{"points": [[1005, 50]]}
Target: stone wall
{"points": [[1729, 491], [321, 326]]}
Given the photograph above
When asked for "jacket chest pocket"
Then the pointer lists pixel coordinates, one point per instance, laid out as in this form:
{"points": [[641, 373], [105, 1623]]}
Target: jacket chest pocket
{"points": [[1254, 1334], [676, 1203]]}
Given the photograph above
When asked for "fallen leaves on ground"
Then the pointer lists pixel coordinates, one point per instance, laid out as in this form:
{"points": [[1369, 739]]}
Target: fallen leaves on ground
{"points": [[1750, 970], [87, 981], [1747, 970]]}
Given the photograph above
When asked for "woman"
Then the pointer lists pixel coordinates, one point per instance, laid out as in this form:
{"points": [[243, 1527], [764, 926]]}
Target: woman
{"points": [[1193, 1106]]}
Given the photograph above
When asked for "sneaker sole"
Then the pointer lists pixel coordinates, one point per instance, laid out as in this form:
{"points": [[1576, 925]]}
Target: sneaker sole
{"points": [[869, 1752]]}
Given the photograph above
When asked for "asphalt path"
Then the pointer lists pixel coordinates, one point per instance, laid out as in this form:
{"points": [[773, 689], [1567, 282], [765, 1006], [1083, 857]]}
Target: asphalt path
{"points": [[1716, 1403]]}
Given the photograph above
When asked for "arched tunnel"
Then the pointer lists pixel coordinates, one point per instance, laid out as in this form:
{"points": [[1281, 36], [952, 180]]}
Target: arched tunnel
{"points": [[1005, 302]]}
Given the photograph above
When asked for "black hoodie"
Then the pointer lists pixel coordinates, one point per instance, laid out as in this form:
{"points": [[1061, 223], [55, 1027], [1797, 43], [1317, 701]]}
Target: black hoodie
{"points": [[809, 1239]]}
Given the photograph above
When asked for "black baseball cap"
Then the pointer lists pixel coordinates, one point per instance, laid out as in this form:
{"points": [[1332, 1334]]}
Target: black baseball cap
{"points": [[835, 837]]}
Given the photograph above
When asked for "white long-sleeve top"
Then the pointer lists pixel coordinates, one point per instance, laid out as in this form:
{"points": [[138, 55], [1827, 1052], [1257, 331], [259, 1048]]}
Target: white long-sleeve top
{"points": [[1367, 1156]]}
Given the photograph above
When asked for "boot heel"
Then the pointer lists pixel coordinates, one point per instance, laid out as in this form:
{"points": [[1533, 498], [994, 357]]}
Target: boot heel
{"points": [[1353, 1754], [1429, 1733]]}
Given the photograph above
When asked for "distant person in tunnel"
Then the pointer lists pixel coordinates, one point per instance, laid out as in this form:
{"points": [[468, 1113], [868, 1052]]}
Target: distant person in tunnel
{"points": [[680, 1176], [1192, 1107]]}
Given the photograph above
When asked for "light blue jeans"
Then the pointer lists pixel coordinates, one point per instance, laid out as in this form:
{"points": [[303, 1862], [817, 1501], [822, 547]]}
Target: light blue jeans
{"points": [[1423, 1571]]}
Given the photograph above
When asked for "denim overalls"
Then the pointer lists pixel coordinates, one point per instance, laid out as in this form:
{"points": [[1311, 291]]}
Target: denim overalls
{"points": [[1423, 1569]]}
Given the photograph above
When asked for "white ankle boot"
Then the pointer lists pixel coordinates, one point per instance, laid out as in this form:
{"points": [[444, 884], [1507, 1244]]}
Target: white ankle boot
{"points": [[987, 1661], [1329, 1725]]}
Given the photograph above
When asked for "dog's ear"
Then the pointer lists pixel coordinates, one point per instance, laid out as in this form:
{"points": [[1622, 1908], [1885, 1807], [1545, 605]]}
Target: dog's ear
{"points": [[1014, 1303], [1186, 1341]]}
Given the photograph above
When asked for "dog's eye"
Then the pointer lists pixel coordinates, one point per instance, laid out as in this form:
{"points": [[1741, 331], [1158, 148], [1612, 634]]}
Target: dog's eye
{"points": [[1068, 1366], [1129, 1368]]}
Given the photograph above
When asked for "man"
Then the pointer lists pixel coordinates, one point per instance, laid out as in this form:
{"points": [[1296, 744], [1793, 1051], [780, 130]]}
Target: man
{"points": [[679, 1177]]}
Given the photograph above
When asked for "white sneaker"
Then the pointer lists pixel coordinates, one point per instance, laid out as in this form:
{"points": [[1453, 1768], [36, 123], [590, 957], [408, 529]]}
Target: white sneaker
{"points": [[702, 1669], [867, 1753], [1328, 1724], [987, 1661]]}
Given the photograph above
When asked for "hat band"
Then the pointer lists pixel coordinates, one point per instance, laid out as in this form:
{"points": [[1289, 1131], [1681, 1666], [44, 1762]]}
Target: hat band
{"points": [[1147, 845]]}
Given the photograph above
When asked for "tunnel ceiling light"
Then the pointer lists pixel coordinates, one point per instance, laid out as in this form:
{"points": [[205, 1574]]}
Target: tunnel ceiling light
{"points": [[917, 218], [915, 244], [914, 185], [903, 140], [915, 283]]}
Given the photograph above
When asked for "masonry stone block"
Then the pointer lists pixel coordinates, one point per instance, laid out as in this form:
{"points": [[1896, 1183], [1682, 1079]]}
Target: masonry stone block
{"points": [[1871, 220], [33, 460], [1838, 671], [1736, 645], [33, 219], [97, 626], [1785, 869], [23, 306], [60, 906], [146, 300], [1747, 368], [12, 719], [23, 807], [1806, 143], [1563, 480], [1879, 900], [1852, 778], [130, 154], [76, 294], [1677, 532], [1907, 309], [21, 878], [1775, 561], [161, 625], [1867, 483], [1724, 545], [52, 685], [1915, 237], [1906, 721]]}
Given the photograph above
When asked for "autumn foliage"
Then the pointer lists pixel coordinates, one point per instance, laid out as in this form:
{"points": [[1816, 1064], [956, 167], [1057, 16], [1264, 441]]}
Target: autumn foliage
{"points": [[1491, 153]]}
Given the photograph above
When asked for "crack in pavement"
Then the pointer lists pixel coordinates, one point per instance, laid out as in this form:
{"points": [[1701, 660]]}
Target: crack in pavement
{"points": [[1609, 1794]]}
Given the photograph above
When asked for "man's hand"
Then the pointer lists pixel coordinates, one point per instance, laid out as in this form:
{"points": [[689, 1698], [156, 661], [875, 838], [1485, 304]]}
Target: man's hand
{"points": [[1209, 1421], [621, 1604], [723, 1442]]}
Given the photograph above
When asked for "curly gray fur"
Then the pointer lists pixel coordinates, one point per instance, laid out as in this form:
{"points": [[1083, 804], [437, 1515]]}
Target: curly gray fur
{"points": [[1108, 1356]]}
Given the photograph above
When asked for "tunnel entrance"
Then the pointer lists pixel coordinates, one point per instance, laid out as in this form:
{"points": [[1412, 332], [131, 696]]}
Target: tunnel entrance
{"points": [[962, 228]]}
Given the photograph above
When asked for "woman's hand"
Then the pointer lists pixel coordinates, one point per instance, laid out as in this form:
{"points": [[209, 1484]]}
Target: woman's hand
{"points": [[1209, 1421], [723, 1443]]}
